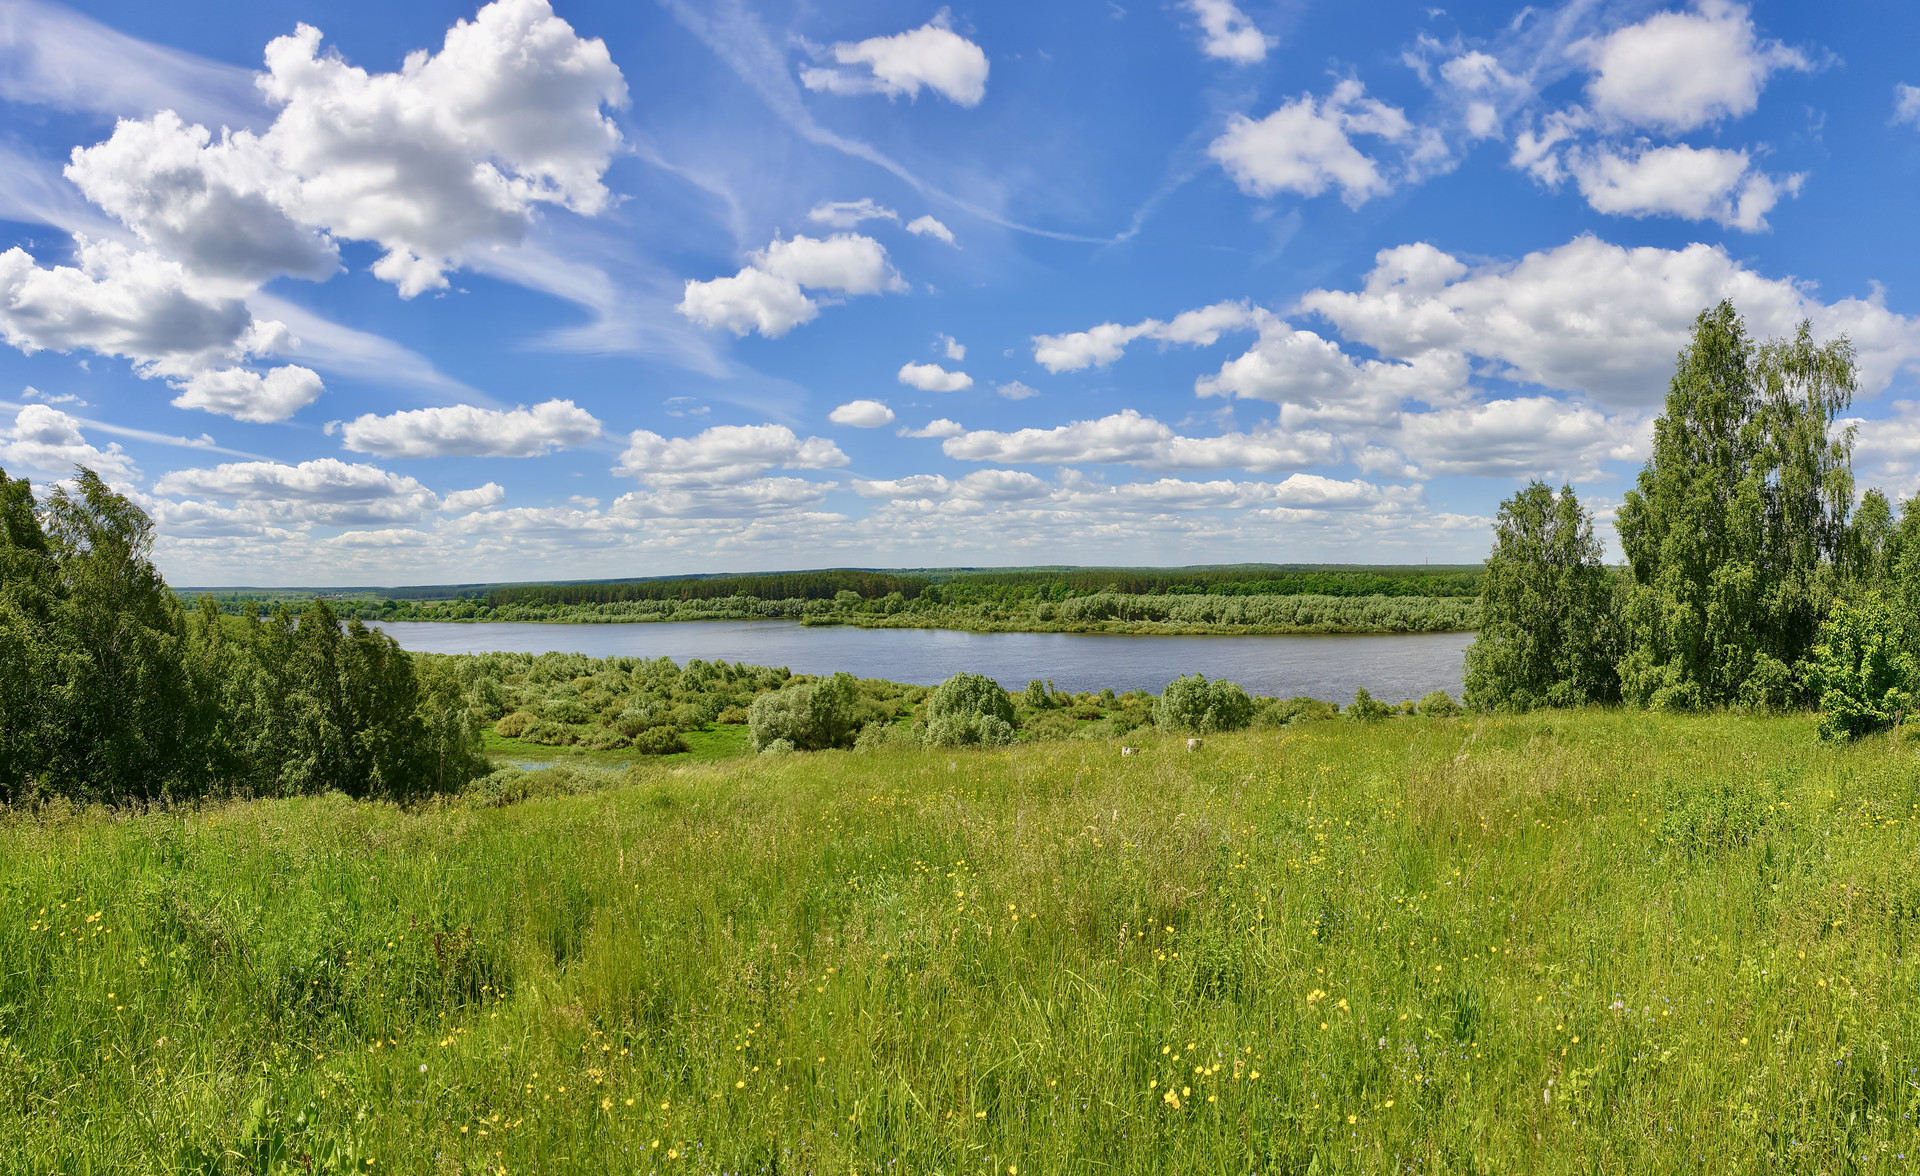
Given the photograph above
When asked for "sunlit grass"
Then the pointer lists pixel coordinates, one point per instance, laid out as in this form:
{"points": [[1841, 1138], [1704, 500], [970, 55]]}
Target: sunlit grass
{"points": [[1578, 942]]}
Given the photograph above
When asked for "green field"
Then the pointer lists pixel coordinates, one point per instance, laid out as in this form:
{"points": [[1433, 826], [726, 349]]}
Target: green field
{"points": [[1576, 941]]}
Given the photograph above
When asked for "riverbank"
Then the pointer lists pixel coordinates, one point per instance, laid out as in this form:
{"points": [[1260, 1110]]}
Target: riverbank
{"points": [[1291, 951], [1110, 613]]}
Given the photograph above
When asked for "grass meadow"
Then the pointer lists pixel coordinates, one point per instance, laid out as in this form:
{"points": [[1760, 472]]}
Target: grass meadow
{"points": [[1572, 942]]}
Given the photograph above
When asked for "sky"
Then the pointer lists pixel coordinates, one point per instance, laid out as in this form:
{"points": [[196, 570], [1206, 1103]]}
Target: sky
{"points": [[357, 293]]}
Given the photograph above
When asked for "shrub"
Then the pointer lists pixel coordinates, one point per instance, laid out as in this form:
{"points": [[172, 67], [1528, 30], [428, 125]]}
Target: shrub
{"points": [[1194, 704], [875, 736], [567, 710], [661, 740], [969, 694], [1439, 705], [548, 734], [511, 726], [966, 730], [732, 715], [602, 739], [1366, 708], [809, 717], [1860, 671], [1036, 696], [778, 747]]}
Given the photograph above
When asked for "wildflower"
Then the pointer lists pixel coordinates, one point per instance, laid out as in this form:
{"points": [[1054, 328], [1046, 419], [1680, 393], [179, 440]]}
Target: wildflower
{"points": [[1352, 1119], [1171, 1099], [606, 1104]]}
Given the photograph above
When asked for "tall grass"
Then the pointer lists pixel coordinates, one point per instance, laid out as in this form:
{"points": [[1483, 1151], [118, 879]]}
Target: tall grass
{"points": [[1573, 942]]}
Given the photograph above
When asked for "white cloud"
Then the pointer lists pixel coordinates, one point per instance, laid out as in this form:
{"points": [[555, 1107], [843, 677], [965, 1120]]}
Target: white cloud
{"points": [[453, 152], [955, 350], [937, 427], [1298, 367], [32, 393], [862, 414], [1592, 317], [462, 430], [767, 295], [846, 263], [52, 55], [1073, 498], [249, 396], [50, 441], [723, 455], [926, 226], [137, 305], [931, 377], [1107, 342], [1516, 438], [479, 498], [1694, 183], [751, 300], [326, 491], [932, 55], [753, 498], [1015, 390], [1677, 71], [219, 208], [1304, 147], [847, 214], [1129, 438], [1227, 33], [1906, 104]]}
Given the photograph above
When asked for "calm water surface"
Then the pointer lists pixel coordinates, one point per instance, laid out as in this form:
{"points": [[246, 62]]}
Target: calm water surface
{"points": [[1321, 666]]}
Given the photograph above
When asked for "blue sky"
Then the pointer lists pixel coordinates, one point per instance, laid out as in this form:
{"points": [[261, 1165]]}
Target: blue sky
{"points": [[357, 293]]}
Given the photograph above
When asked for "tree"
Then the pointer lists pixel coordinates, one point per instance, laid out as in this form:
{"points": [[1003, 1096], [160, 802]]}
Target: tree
{"points": [[1860, 669], [28, 679], [1545, 637], [1737, 526], [1193, 704]]}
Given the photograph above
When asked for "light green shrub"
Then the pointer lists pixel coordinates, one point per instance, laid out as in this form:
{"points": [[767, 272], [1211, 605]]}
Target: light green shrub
{"points": [[1194, 704]]}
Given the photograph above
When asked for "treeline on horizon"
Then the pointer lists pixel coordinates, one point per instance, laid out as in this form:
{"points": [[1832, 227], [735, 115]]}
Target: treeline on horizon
{"points": [[969, 587], [1752, 578]]}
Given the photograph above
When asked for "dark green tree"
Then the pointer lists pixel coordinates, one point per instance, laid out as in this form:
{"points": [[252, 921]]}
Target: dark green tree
{"points": [[28, 679], [1546, 637], [1736, 531], [1861, 670]]}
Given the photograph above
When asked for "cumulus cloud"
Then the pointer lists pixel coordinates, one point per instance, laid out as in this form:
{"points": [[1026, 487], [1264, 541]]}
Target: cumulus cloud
{"points": [[462, 430], [1694, 183], [1015, 390], [326, 492], [1677, 71], [479, 498], [453, 152], [926, 226], [847, 214], [954, 349], [862, 414], [1074, 498], [249, 396], [768, 295], [752, 498], [723, 455], [937, 427], [932, 55], [1517, 437], [1306, 146], [1591, 317], [1103, 344], [1129, 438], [134, 304], [1227, 33], [50, 441], [931, 377]]}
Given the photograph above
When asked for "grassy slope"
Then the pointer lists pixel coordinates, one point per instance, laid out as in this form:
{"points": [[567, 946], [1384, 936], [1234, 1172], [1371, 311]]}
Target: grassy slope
{"points": [[1578, 942]]}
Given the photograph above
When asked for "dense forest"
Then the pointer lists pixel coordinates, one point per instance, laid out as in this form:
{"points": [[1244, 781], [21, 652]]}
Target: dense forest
{"points": [[111, 691], [1752, 580]]}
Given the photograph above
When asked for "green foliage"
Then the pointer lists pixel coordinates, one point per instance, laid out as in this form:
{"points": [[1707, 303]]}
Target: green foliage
{"points": [[112, 693], [1368, 709], [970, 709], [1192, 703], [1439, 705], [1283, 712], [1545, 617], [809, 717], [1861, 671], [1737, 525]]}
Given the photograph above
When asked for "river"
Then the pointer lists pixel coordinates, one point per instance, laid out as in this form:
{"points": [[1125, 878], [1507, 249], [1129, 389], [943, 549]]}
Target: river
{"points": [[1331, 667]]}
